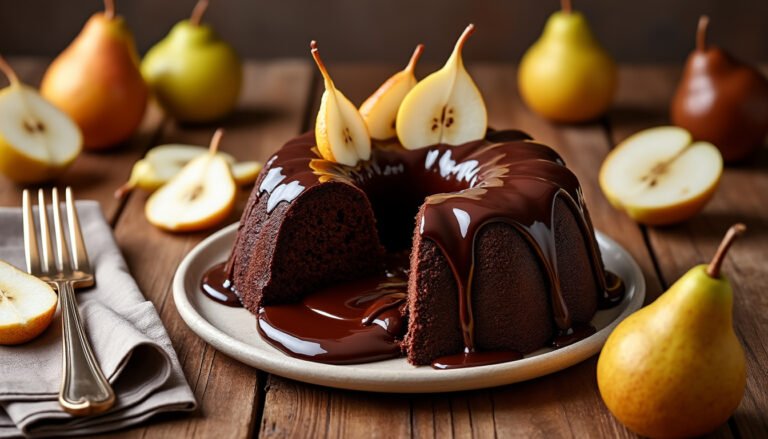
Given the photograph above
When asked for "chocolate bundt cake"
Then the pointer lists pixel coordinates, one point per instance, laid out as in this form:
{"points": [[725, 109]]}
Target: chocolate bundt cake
{"points": [[503, 256]]}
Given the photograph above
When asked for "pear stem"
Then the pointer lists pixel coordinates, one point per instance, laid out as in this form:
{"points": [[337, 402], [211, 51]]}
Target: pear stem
{"points": [[8, 71], [701, 33], [198, 11], [565, 5], [123, 190], [214, 148], [736, 230], [469, 30], [109, 9], [415, 58], [319, 62]]}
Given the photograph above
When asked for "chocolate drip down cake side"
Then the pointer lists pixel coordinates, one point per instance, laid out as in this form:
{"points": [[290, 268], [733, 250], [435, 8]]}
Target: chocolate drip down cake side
{"points": [[410, 228]]}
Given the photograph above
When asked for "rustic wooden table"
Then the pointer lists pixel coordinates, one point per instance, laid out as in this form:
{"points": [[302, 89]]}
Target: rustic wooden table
{"points": [[279, 101]]}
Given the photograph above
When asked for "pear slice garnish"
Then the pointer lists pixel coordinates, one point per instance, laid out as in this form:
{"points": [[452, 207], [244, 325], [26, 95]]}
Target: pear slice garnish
{"points": [[200, 196], [380, 110], [340, 131], [445, 107]]}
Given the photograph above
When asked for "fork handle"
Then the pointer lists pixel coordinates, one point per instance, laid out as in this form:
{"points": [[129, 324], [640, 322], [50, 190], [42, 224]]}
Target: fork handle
{"points": [[84, 390]]}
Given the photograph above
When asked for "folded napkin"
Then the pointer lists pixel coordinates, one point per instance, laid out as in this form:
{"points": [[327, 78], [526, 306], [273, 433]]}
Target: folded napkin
{"points": [[126, 334]]}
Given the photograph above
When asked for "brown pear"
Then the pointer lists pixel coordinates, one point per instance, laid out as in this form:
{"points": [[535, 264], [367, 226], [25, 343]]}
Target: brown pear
{"points": [[721, 100], [96, 81]]}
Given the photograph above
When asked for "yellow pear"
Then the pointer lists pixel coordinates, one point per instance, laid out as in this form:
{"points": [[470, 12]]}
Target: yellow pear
{"points": [[675, 368], [37, 140], [200, 196], [96, 81], [566, 76], [27, 305], [380, 109], [445, 107], [340, 131]]}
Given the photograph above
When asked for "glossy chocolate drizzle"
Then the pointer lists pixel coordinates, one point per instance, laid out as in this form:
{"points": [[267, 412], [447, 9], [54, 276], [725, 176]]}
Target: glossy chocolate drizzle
{"points": [[505, 177], [354, 322]]}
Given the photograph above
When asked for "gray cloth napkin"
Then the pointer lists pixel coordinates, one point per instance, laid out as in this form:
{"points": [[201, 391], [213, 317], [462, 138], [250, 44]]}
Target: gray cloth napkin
{"points": [[126, 334]]}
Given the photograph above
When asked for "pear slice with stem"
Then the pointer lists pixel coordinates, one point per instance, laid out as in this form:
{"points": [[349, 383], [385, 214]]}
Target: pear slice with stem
{"points": [[340, 131], [445, 107], [37, 140], [200, 196], [163, 162], [380, 110]]}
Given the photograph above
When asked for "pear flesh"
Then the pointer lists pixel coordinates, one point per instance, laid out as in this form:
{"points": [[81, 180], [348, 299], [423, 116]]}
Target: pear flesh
{"points": [[198, 197], [27, 305], [380, 110], [446, 107], [37, 140], [340, 131]]}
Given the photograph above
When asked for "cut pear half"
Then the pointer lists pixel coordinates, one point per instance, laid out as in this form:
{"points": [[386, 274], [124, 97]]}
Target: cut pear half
{"points": [[658, 176], [380, 109], [340, 131], [27, 305], [37, 140], [445, 107], [200, 196]]}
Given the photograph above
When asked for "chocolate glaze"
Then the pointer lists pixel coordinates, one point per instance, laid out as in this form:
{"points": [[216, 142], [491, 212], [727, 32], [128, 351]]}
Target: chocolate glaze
{"points": [[216, 285], [502, 178], [471, 359], [357, 322]]}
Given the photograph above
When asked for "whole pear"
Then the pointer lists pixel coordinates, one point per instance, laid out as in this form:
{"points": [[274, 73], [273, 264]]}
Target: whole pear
{"points": [[722, 100], [675, 368], [566, 76], [194, 74], [96, 81]]}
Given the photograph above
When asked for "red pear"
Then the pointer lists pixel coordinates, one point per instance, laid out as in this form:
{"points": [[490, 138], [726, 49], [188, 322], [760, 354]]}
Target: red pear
{"points": [[722, 100]]}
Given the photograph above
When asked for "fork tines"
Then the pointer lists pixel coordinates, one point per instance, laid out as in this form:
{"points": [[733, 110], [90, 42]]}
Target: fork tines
{"points": [[48, 265]]}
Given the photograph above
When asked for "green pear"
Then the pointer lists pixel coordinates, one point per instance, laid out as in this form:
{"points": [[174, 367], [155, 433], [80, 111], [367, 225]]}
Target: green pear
{"points": [[675, 368], [194, 75], [566, 76]]}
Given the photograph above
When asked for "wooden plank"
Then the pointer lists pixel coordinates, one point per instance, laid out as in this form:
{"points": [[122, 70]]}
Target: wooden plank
{"points": [[568, 402], [94, 175], [743, 196], [271, 110]]}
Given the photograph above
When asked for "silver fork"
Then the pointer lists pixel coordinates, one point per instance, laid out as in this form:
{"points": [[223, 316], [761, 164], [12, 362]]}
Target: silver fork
{"points": [[84, 390]]}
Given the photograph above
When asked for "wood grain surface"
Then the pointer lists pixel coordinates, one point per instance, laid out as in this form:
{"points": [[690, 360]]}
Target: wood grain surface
{"points": [[280, 101]]}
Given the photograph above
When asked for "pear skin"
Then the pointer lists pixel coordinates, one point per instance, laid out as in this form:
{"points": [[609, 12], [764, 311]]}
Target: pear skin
{"points": [[194, 74], [675, 368], [566, 75], [96, 81]]}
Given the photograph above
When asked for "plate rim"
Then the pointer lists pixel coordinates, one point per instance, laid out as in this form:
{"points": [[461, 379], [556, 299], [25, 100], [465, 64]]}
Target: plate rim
{"points": [[394, 381]]}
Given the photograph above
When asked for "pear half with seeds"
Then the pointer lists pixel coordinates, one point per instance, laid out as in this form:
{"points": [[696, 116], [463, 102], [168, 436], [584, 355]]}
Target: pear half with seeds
{"points": [[37, 140], [445, 107], [27, 305], [380, 110], [200, 196], [340, 131]]}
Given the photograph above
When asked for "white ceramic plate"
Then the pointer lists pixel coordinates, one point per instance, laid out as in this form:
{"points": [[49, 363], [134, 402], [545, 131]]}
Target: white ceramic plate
{"points": [[233, 332]]}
